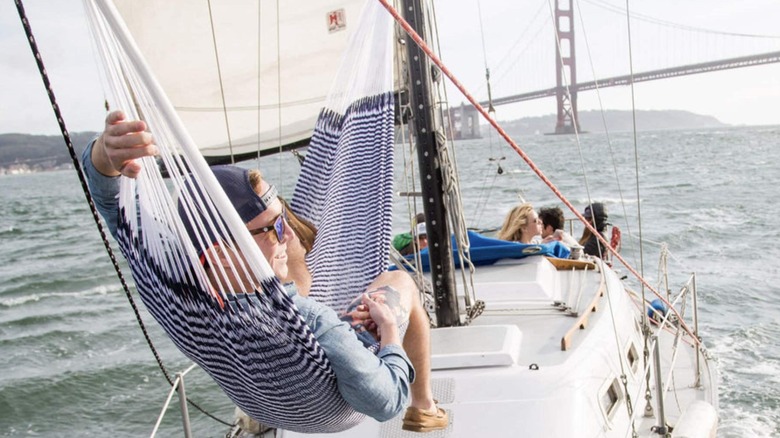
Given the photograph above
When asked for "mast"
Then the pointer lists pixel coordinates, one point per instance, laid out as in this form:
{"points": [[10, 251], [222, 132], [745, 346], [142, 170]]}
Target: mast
{"points": [[437, 227]]}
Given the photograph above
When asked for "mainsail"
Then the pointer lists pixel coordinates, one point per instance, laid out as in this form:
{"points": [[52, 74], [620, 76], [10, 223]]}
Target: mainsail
{"points": [[242, 79]]}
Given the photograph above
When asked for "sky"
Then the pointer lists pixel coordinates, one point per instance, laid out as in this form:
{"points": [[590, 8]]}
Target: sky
{"points": [[474, 34]]}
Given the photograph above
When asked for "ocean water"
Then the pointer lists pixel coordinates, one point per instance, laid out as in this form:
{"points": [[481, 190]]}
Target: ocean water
{"points": [[75, 362]]}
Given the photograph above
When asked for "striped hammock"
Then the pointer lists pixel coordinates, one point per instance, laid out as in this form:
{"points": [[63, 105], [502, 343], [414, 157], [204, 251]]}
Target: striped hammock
{"points": [[253, 343]]}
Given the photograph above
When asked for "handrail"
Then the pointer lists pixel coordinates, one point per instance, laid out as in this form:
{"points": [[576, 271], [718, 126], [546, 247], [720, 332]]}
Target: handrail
{"points": [[177, 383]]}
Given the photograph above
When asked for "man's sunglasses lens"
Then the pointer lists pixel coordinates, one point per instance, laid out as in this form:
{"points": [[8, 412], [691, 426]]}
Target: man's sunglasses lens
{"points": [[279, 225]]}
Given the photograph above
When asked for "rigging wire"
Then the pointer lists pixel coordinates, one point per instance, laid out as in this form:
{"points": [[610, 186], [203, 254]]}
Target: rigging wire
{"points": [[529, 44], [435, 59], [479, 207], [258, 81], [609, 290], [636, 143], [409, 171], [95, 215], [604, 124], [575, 123], [487, 187], [94, 50], [645, 323], [491, 174], [450, 180], [629, 403], [491, 109], [279, 88], [221, 83]]}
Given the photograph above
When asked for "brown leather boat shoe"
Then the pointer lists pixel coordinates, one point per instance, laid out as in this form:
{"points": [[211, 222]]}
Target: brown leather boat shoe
{"points": [[417, 420]]}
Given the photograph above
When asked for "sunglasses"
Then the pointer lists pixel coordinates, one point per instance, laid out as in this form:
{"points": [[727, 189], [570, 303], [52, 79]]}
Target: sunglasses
{"points": [[277, 226]]}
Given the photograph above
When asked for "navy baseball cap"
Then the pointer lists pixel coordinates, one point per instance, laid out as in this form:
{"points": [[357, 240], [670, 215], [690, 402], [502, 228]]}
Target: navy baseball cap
{"points": [[238, 188], [235, 182]]}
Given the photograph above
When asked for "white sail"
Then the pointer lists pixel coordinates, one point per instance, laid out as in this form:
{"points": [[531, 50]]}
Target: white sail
{"points": [[240, 78]]}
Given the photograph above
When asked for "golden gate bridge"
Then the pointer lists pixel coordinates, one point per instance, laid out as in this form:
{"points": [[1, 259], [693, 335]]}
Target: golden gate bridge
{"points": [[567, 87]]}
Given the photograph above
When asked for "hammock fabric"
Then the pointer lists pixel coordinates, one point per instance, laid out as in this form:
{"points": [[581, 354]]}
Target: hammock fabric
{"points": [[346, 190], [255, 345]]}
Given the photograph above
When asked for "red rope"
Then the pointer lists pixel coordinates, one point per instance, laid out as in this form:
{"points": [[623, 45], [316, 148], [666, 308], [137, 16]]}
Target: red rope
{"points": [[435, 59]]}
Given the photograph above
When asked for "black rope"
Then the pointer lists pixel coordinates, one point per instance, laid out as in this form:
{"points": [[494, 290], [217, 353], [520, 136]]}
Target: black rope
{"points": [[85, 188]]}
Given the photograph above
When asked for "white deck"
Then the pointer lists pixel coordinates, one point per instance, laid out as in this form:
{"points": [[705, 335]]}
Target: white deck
{"points": [[506, 375]]}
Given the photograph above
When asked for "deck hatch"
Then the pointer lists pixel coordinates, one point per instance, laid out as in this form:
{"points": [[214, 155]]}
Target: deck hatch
{"points": [[475, 346]]}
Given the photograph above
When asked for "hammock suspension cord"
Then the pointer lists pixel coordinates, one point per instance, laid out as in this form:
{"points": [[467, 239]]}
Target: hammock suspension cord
{"points": [[90, 202]]}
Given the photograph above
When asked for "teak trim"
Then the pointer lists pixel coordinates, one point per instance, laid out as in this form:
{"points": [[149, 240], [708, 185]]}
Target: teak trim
{"points": [[582, 321]]}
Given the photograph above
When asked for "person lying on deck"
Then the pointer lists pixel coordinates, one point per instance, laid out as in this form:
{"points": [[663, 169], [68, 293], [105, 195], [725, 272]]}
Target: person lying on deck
{"points": [[376, 385]]}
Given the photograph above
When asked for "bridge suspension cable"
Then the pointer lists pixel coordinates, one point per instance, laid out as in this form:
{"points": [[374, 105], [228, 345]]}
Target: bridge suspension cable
{"points": [[649, 19]]}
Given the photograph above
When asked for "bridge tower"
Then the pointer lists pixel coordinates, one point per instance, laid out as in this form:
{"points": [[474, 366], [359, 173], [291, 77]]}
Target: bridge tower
{"points": [[565, 59]]}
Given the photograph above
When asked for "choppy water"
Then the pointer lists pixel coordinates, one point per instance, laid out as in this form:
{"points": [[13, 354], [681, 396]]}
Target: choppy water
{"points": [[74, 362]]}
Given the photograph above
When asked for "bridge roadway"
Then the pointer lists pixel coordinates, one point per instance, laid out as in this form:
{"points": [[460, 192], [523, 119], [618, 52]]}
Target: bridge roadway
{"points": [[723, 64]]}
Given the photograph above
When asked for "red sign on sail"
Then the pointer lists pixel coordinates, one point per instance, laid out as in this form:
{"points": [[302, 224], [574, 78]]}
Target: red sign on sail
{"points": [[337, 20]]}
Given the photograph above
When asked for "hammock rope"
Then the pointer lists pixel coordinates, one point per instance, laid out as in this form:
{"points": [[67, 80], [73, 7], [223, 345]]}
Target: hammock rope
{"points": [[95, 215], [254, 344]]}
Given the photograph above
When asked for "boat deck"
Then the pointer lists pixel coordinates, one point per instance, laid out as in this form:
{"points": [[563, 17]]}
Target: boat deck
{"points": [[547, 356]]}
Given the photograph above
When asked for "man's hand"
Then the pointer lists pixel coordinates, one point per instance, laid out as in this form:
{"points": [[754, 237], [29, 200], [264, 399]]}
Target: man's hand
{"points": [[384, 318], [120, 144]]}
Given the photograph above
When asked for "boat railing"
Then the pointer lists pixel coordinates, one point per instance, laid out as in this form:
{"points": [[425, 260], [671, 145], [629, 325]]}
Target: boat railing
{"points": [[659, 388], [668, 324], [177, 387], [689, 288], [697, 383]]}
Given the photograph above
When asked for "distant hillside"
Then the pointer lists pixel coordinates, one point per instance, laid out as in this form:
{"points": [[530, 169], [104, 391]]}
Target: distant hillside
{"points": [[591, 121], [43, 152], [39, 152]]}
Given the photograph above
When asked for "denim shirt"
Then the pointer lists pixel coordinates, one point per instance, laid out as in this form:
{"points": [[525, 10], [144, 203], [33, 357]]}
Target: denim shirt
{"points": [[375, 385]]}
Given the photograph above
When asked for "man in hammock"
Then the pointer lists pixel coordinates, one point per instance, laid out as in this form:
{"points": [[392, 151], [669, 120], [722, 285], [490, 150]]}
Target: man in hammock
{"points": [[383, 388]]}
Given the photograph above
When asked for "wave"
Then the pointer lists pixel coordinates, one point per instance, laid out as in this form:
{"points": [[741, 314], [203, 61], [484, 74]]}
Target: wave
{"points": [[736, 422], [9, 230], [89, 395], [744, 359], [95, 291], [604, 200]]}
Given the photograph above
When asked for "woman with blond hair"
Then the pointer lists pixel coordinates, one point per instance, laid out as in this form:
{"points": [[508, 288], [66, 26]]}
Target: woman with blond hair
{"points": [[522, 224]]}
